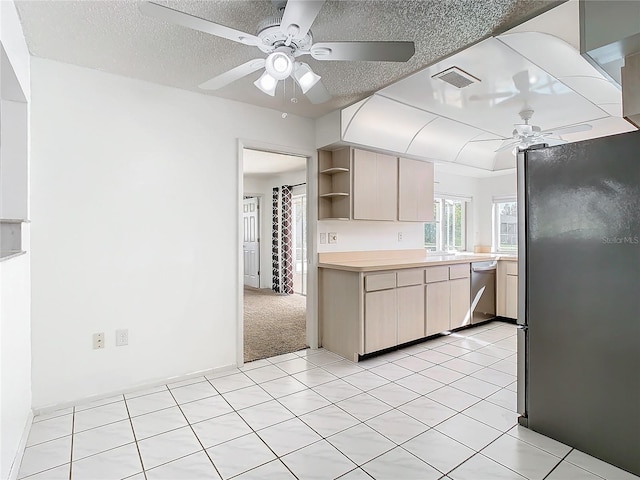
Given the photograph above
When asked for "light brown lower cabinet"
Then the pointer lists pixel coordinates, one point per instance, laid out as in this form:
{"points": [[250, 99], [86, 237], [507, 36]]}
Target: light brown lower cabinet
{"points": [[380, 312], [511, 296], [438, 301], [448, 297], [364, 312], [460, 302], [507, 289], [410, 313]]}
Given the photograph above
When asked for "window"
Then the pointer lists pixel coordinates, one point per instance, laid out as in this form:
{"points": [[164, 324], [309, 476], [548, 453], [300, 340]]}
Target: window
{"points": [[447, 232], [505, 225]]}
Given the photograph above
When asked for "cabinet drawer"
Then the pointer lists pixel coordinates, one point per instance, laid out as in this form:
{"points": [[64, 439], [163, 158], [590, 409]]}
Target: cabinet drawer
{"points": [[459, 271], [410, 277], [380, 281], [511, 268], [436, 274]]}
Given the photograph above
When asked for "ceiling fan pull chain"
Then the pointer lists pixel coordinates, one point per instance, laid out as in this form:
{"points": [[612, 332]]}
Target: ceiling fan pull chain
{"points": [[284, 98]]}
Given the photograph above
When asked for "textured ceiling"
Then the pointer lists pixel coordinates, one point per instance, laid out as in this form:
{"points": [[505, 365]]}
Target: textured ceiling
{"points": [[113, 36]]}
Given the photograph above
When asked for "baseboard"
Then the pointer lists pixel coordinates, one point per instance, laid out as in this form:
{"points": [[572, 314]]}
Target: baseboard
{"points": [[17, 460], [513, 321], [40, 410]]}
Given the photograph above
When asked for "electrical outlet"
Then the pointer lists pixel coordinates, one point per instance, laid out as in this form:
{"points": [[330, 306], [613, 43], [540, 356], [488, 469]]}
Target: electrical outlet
{"points": [[399, 236], [122, 337], [333, 237], [98, 340], [323, 238]]}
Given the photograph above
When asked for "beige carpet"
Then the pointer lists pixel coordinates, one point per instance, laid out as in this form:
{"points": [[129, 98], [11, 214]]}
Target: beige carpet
{"points": [[273, 323]]}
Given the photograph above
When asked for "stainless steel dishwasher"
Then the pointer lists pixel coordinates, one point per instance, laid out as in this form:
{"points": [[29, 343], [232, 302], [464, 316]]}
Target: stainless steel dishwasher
{"points": [[483, 291]]}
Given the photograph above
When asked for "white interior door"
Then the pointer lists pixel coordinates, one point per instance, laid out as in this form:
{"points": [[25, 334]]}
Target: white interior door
{"points": [[251, 242]]}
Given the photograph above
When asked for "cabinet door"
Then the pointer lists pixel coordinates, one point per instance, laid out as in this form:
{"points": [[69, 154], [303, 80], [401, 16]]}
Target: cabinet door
{"points": [[380, 320], [511, 295], [415, 191], [410, 313], [460, 302], [438, 301], [375, 186]]}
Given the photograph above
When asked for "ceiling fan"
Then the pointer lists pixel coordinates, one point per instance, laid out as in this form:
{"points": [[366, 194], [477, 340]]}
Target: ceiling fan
{"points": [[284, 37], [525, 135]]}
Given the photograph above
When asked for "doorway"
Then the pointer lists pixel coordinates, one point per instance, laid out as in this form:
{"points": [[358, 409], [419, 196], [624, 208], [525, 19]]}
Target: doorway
{"points": [[274, 245], [299, 204]]}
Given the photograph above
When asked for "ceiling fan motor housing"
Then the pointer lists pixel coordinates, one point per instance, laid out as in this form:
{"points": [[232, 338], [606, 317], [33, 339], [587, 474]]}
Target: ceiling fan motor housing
{"points": [[273, 37]]}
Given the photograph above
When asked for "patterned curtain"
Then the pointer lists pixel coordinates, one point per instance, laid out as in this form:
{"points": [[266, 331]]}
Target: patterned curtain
{"points": [[281, 241], [275, 242], [287, 253]]}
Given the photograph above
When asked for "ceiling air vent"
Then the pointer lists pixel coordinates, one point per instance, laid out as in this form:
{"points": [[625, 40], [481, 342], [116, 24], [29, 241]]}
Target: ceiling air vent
{"points": [[456, 77]]}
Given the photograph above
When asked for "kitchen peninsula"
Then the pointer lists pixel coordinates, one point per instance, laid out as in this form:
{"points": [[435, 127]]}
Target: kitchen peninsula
{"points": [[372, 301]]}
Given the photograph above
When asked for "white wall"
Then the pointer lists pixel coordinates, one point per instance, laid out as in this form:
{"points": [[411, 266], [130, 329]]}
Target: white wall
{"points": [[15, 328], [263, 186], [135, 219], [360, 235]]}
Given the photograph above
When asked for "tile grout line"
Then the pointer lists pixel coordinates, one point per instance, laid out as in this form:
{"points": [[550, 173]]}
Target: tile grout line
{"points": [[344, 377], [561, 460], [192, 431], [135, 438], [73, 426], [252, 431]]}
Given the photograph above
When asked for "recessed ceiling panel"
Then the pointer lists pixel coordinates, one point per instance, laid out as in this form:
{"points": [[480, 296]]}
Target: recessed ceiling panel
{"points": [[504, 160], [386, 124], [602, 128], [550, 53], [598, 90], [442, 139], [478, 154], [508, 83]]}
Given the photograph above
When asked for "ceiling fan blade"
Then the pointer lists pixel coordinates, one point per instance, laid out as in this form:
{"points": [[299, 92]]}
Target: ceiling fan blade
{"points": [[583, 127], [232, 75], [298, 17], [318, 93], [364, 51], [196, 23], [507, 146]]}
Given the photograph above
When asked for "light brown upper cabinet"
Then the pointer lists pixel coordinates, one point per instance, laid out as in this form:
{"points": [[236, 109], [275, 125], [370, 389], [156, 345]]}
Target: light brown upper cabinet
{"points": [[356, 184], [334, 184], [415, 191], [375, 186]]}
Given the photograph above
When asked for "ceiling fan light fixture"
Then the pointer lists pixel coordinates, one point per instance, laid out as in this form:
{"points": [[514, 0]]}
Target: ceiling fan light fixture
{"points": [[267, 84], [279, 65], [305, 77]]}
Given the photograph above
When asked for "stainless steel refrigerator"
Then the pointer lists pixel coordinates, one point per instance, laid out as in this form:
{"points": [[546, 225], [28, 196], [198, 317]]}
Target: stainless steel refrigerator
{"points": [[579, 296]]}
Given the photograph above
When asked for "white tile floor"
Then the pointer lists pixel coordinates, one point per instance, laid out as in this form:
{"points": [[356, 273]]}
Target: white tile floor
{"points": [[443, 409]]}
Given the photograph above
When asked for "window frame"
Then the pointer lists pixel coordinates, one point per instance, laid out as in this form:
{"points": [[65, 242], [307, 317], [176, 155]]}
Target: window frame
{"points": [[439, 203], [496, 224]]}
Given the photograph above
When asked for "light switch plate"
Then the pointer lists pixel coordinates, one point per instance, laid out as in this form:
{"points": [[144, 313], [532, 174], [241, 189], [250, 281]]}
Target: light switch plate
{"points": [[323, 238], [122, 337], [333, 237]]}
